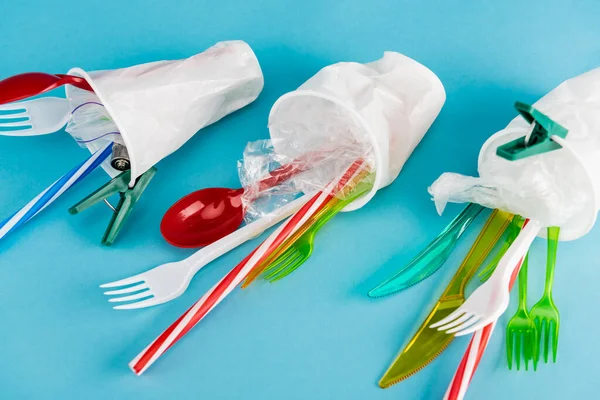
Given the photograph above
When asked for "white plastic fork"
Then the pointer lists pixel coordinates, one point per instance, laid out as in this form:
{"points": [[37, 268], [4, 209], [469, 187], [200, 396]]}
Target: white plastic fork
{"points": [[168, 281], [44, 115], [489, 301]]}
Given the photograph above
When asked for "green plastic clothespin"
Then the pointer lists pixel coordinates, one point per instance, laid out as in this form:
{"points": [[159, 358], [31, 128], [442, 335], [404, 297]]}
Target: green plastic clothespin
{"points": [[540, 140], [129, 197]]}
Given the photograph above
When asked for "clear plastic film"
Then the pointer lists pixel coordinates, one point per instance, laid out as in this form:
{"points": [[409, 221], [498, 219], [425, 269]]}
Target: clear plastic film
{"points": [[556, 188], [271, 179], [90, 121]]}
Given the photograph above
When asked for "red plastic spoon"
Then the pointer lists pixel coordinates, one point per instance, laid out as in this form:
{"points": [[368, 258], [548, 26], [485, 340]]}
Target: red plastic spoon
{"points": [[207, 215], [30, 84]]}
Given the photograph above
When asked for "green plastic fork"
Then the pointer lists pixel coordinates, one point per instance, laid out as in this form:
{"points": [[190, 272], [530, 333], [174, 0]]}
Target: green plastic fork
{"points": [[301, 249], [521, 331], [545, 313]]}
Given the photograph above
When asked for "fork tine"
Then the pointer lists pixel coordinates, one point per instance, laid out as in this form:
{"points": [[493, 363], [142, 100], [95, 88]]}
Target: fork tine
{"points": [[538, 342], [141, 295], [140, 304], [475, 327], [456, 322], [130, 289], [283, 271], [509, 348], [474, 319], [265, 270], [12, 108], [14, 124], [280, 259], [535, 349], [518, 349], [291, 268], [554, 341], [528, 345], [123, 282], [283, 265], [457, 313], [546, 339]]}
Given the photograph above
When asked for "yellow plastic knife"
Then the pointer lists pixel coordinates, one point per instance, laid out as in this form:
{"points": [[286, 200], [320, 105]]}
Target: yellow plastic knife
{"points": [[428, 343]]}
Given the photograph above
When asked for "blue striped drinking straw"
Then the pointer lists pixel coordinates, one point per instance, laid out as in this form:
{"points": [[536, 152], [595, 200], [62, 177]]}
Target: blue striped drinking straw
{"points": [[48, 196]]}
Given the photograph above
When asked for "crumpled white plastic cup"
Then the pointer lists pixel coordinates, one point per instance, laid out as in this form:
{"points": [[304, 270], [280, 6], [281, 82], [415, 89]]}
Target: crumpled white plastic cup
{"points": [[574, 104], [159, 106], [393, 100]]}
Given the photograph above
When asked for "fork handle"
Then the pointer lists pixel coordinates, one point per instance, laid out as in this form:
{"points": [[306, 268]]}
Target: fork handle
{"points": [[213, 251], [510, 260], [553, 235], [523, 283], [335, 205]]}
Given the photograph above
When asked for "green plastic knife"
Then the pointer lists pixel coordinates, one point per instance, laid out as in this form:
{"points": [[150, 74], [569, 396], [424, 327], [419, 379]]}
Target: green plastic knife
{"points": [[428, 343], [431, 258]]}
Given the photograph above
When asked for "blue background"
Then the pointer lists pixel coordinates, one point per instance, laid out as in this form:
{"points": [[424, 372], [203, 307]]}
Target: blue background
{"points": [[314, 335]]}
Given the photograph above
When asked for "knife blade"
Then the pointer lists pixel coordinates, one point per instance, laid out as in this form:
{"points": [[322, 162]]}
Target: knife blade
{"points": [[431, 259], [427, 343]]}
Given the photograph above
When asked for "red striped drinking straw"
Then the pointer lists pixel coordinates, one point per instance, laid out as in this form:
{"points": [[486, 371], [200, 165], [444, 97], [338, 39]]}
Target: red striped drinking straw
{"points": [[226, 285], [470, 361]]}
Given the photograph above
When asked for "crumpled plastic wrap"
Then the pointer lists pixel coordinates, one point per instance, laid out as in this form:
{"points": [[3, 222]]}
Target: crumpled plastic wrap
{"points": [[313, 171], [557, 188], [90, 121], [154, 108]]}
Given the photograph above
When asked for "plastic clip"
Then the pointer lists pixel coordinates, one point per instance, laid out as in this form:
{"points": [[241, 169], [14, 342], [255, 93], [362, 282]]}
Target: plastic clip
{"points": [[129, 197], [538, 141]]}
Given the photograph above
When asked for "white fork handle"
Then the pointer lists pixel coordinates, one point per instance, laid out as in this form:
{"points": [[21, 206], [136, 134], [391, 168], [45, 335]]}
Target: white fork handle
{"points": [[516, 251], [213, 251]]}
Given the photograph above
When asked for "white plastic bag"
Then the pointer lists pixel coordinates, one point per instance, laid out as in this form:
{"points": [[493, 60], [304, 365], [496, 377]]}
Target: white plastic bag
{"points": [[381, 109], [154, 108], [557, 188]]}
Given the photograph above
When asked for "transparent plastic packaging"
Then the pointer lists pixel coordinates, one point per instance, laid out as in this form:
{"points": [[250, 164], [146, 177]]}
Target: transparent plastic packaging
{"points": [[557, 188], [90, 121], [377, 111], [154, 108], [309, 173]]}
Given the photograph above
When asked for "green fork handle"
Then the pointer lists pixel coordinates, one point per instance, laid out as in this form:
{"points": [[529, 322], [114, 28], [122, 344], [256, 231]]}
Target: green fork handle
{"points": [[329, 211], [553, 235], [523, 283], [513, 231], [544, 313]]}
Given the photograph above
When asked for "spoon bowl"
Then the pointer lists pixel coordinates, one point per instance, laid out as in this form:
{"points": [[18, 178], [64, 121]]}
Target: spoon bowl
{"points": [[203, 217], [22, 86]]}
